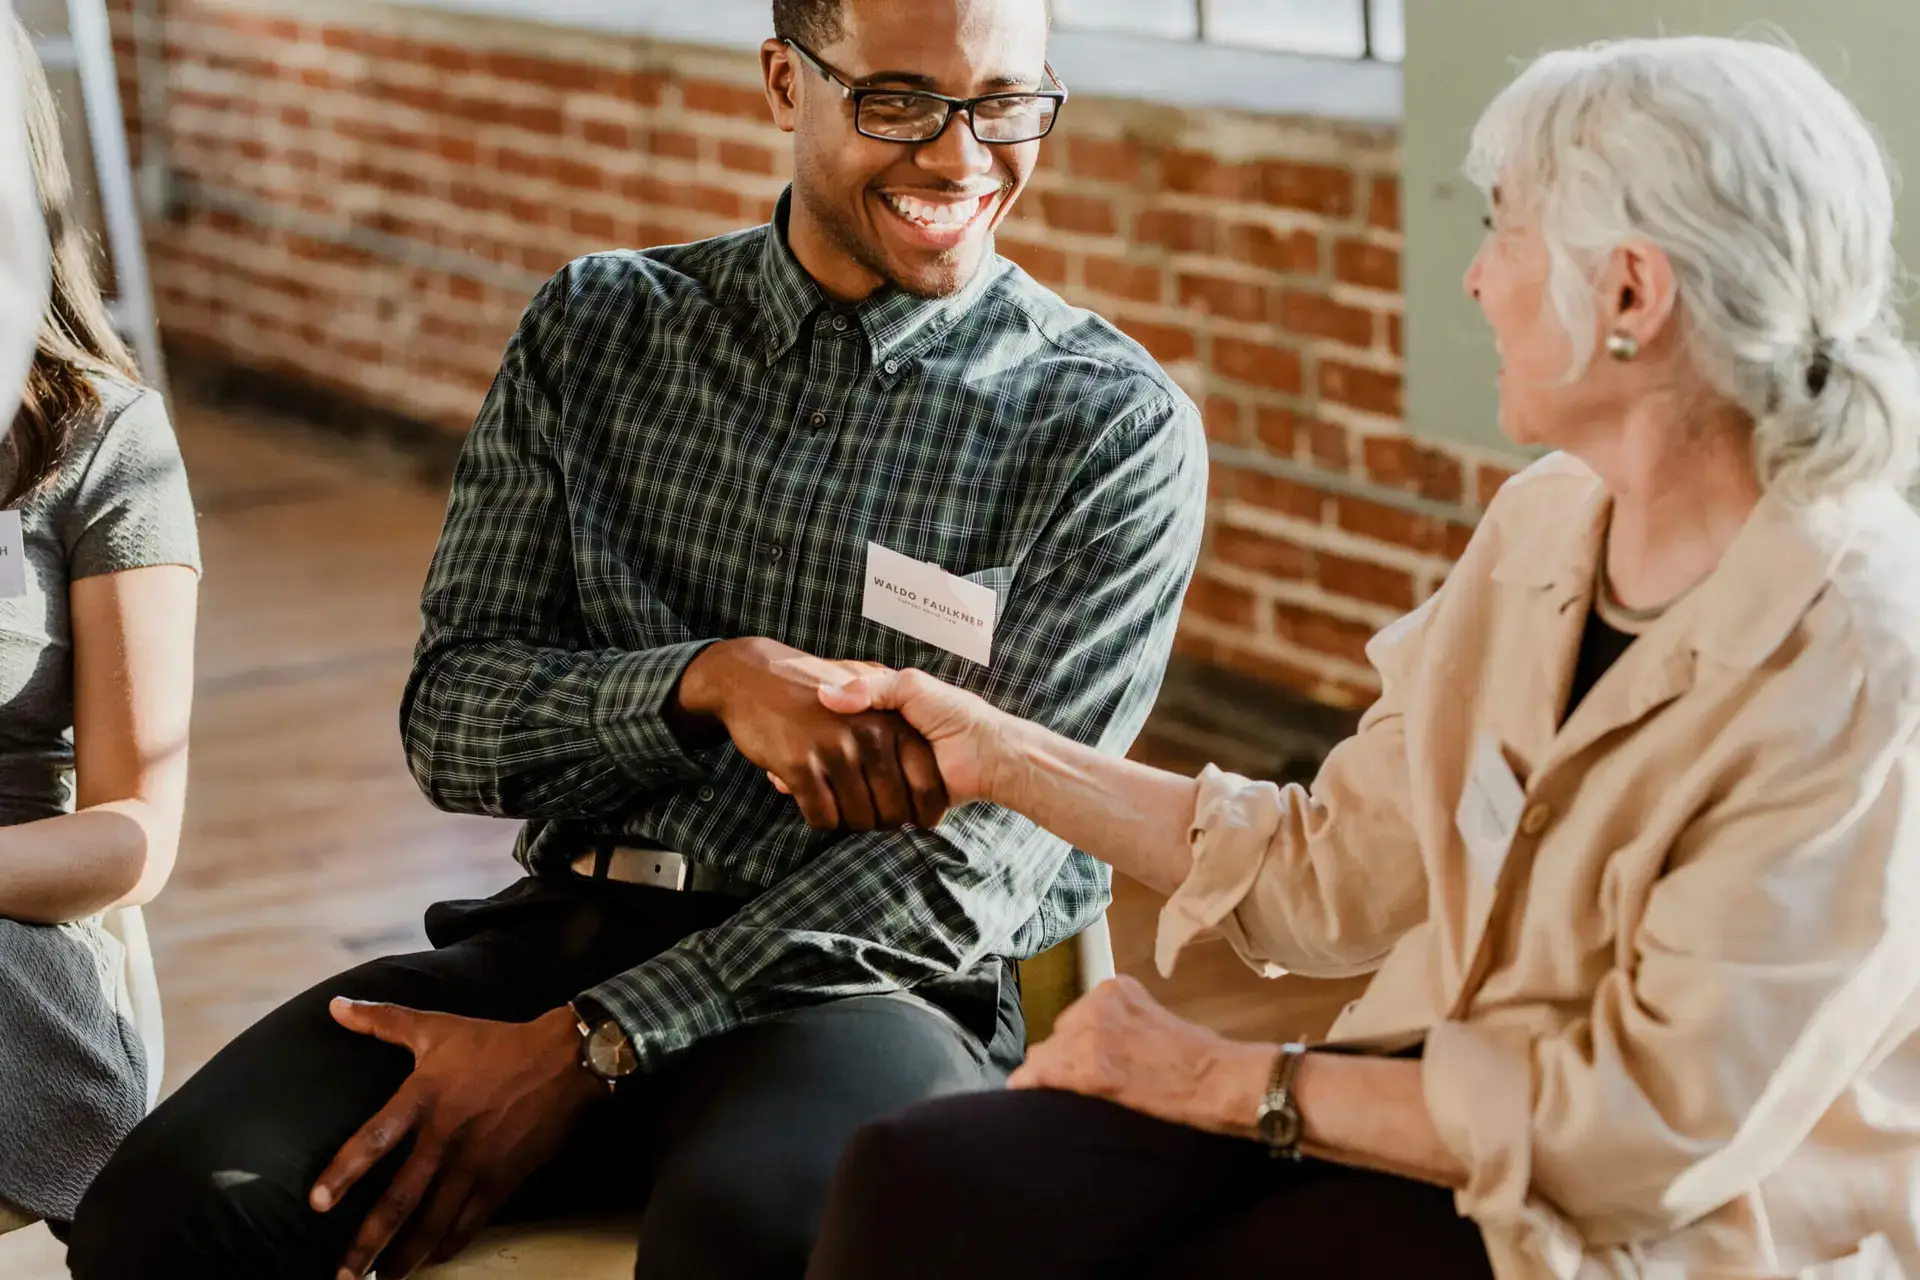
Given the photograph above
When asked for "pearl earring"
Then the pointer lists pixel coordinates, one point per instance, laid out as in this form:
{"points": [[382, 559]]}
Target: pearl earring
{"points": [[1622, 346]]}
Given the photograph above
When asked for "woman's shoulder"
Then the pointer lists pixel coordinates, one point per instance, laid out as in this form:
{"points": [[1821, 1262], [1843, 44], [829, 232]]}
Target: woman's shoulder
{"points": [[1867, 620]]}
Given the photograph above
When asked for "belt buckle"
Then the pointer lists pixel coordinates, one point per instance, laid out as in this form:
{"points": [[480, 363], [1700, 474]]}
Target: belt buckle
{"points": [[656, 868]]}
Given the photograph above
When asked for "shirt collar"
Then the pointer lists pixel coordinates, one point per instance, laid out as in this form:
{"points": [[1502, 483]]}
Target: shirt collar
{"points": [[1775, 568], [898, 326]]}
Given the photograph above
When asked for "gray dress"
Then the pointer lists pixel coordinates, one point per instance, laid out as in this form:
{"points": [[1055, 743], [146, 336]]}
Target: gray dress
{"points": [[72, 1073]]}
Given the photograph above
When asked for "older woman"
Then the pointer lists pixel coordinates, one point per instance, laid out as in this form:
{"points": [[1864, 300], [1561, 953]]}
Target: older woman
{"points": [[1631, 841]]}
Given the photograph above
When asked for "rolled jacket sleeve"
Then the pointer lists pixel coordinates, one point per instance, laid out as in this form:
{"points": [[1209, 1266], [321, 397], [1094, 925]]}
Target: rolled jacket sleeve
{"points": [[1776, 961], [1320, 881]]}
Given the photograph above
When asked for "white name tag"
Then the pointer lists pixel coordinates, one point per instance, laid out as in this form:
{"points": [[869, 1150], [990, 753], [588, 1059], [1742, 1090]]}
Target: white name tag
{"points": [[930, 604], [1490, 808], [13, 557]]}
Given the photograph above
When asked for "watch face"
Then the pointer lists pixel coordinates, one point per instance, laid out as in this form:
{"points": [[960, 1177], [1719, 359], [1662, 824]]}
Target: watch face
{"points": [[609, 1054], [1280, 1126]]}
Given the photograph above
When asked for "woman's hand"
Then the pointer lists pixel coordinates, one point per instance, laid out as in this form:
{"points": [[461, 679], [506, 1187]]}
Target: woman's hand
{"points": [[1121, 1044], [967, 734]]}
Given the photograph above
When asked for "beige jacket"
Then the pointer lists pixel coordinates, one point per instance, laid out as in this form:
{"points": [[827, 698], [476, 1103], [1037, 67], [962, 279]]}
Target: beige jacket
{"points": [[1668, 989]]}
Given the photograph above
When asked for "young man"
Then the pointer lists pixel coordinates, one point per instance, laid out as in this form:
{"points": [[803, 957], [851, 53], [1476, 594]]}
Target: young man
{"points": [[857, 434]]}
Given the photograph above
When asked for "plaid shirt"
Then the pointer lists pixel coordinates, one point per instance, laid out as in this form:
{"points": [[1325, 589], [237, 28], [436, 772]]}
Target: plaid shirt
{"points": [[691, 443]]}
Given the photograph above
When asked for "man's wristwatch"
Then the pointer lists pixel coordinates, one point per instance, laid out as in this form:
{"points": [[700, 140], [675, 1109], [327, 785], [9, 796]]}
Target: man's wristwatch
{"points": [[1278, 1118], [605, 1050]]}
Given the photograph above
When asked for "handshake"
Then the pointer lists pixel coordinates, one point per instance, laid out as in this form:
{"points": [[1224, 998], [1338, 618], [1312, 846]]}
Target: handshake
{"points": [[859, 747]]}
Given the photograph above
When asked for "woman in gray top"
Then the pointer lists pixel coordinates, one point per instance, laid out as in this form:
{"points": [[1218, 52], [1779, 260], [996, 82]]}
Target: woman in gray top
{"points": [[99, 574]]}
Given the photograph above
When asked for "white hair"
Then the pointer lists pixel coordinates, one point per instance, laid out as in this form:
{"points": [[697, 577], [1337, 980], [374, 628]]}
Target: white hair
{"points": [[1773, 200]]}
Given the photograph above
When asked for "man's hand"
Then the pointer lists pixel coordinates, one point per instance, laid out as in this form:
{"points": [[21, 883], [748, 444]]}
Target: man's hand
{"points": [[1120, 1044], [487, 1104], [859, 772], [972, 741]]}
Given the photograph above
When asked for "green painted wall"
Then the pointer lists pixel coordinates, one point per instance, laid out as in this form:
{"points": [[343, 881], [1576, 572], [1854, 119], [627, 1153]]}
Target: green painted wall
{"points": [[1460, 52]]}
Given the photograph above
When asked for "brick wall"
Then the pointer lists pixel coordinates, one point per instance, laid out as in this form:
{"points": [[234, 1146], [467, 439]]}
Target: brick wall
{"points": [[368, 200]]}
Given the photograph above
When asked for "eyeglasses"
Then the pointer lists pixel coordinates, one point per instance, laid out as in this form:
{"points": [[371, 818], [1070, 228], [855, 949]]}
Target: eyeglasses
{"points": [[915, 116]]}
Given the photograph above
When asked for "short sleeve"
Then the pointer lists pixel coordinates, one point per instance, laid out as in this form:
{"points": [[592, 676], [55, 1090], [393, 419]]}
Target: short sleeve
{"points": [[130, 507]]}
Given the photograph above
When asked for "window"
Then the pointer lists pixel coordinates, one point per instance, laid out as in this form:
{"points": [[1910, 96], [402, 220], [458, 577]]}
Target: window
{"points": [[1355, 29]]}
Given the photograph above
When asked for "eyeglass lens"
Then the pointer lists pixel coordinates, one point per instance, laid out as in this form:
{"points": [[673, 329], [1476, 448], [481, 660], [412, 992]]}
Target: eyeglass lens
{"points": [[913, 117]]}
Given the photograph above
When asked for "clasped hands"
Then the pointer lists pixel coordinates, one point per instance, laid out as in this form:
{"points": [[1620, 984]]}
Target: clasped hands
{"points": [[858, 746]]}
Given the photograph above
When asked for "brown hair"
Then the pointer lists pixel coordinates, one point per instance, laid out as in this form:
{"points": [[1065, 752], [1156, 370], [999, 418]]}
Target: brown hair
{"points": [[77, 342]]}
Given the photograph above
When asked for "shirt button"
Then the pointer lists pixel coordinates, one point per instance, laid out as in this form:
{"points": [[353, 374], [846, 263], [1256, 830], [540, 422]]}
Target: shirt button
{"points": [[819, 421], [706, 795], [775, 554], [839, 324], [893, 366], [1535, 821]]}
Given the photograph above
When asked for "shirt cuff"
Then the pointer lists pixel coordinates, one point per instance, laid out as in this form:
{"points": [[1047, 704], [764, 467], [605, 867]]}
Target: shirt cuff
{"points": [[666, 1005], [1234, 821], [630, 715], [1478, 1083]]}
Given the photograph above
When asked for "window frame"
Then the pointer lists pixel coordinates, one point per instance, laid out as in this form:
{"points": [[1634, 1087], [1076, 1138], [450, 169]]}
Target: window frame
{"points": [[1098, 64]]}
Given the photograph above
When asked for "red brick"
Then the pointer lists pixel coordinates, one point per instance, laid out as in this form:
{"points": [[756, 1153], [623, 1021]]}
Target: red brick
{"points": [[1177, 231], [1425, 534], [1044, 263], [1371, 266], [1294, 253], [1262, 554], [1277, 429], [607, 133], [1366, 389], [534, 119], [1335, 637], [744, 157], [549, 73], [1401, 463], [1118, 278], [1164, 342], [595, 226], [1081, 214], [1327, 442], [578, 176], [1258, 364], [1105, 160], [446, 57], [1365, 580], [1223, 420], [1396, 334], [674, 144], [465, 290], [1315, 315], [1274, 671], [1488, 482], [1383, 205], [523, 164], [1196, 173], [711, 98], [1276, 494], [1231, 299], [1211, 598], [1316, 188]]}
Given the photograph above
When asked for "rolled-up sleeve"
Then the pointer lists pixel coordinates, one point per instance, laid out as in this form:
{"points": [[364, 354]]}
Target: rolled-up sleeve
{"points": [[1775, 962], [1320, 881]]}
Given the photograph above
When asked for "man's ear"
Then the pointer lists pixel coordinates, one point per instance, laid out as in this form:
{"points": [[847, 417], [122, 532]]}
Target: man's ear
{"points": [[782, 83]]}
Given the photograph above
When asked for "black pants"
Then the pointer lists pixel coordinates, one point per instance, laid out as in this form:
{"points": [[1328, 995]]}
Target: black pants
{"points": [[730, 1147], [1054, 1186]]}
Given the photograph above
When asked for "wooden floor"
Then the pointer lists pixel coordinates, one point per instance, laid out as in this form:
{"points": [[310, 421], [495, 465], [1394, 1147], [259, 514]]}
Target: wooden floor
{"points": [[307, 847]]}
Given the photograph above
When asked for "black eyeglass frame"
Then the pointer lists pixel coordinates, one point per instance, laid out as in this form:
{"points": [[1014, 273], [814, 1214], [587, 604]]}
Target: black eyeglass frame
{"points": [[954, 106]]}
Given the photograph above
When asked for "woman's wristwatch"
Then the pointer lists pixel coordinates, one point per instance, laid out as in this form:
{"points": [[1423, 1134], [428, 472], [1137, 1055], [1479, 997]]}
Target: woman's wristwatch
{"points": [[1278, 1118], [605, 1051]]}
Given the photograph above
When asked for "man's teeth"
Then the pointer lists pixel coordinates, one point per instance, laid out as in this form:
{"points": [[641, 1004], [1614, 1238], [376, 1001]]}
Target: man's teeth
{"points": [[928, 213]]}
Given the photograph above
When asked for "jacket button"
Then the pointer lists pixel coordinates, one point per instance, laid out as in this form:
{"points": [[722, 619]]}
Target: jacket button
{"points": [[1535, 821], [706, 795]]}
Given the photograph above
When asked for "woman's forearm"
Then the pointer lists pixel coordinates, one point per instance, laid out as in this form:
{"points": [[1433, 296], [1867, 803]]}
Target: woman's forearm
{"points": [[79, 864], [1128, 815], [1370, 1113]]}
